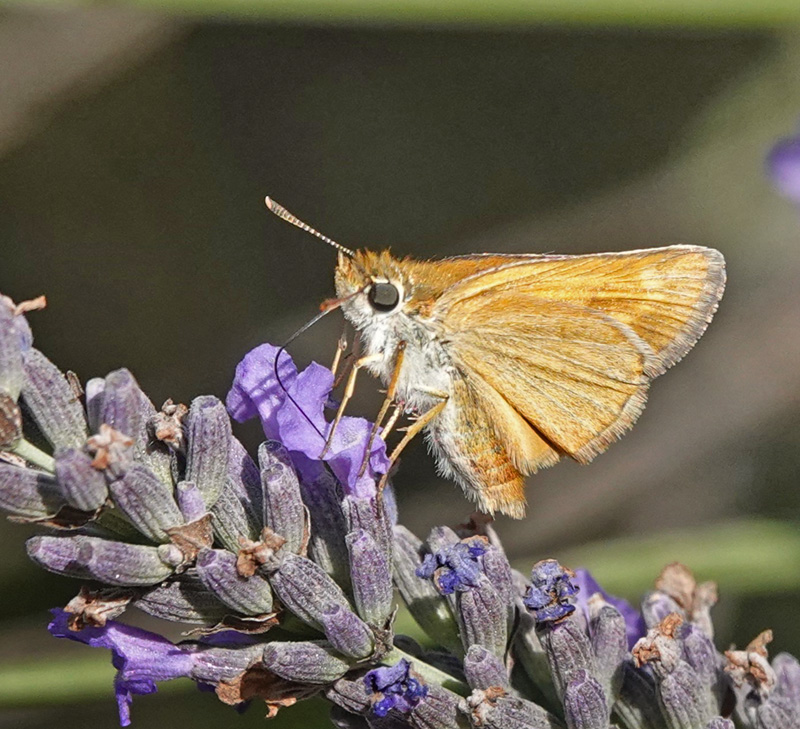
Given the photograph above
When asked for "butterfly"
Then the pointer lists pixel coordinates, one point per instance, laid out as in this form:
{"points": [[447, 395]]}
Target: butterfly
{"points": [[513, 362]]}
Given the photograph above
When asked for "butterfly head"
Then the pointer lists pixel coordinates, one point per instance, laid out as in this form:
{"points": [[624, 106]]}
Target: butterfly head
{"points": [[372, 287]]}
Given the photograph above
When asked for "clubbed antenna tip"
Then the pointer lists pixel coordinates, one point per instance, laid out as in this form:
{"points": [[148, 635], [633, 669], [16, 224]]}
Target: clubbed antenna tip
{"points": [[283, 213]]}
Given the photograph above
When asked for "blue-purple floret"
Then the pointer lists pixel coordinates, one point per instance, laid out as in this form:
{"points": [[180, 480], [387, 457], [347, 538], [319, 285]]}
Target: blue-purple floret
{"points": [[551, 593], [295, 417], [140, 657], [393, 687], [456, 568], [783, 167]]}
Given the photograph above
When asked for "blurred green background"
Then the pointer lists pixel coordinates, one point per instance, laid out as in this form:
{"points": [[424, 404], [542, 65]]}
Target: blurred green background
{"points": [[138, 140]]}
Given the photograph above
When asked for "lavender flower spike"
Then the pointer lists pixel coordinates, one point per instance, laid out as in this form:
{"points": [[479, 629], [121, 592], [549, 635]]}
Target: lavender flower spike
{"points": [[288, 574]]}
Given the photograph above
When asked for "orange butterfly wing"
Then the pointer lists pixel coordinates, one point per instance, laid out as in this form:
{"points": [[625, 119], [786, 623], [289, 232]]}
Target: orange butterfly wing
{"points": [[570, 343], [666, 295]]}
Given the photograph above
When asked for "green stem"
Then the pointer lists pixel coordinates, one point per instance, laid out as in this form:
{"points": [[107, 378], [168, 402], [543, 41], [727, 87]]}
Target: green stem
{"points": [[430, 673], [33, 455]]}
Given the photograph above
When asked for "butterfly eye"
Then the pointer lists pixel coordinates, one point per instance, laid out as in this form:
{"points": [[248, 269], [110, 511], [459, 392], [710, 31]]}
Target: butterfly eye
{"points": [[383, 296]]}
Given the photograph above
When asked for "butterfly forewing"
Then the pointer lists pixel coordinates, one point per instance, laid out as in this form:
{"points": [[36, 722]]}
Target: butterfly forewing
{"points": [[666, 295], [571, 342]]}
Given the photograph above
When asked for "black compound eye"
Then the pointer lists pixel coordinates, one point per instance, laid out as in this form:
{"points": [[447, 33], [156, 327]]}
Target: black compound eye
{"points": [[383, 296]]}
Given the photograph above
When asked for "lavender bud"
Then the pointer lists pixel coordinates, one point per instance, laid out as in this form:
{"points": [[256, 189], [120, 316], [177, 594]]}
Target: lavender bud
{"points": [[306, 590], [610, 644], [121, 403], [483, 669], [284, 511], [371, 578], [183, 598], [111, 451], [212, 664], [246, 595], [568, 650], [427, 606], [148, 449], [482, 617], [351, 695], [28, 492], [656, 606], [438, 709], [695, 600], [457, 567], [208, 434], [440, 538], [237, 511], [326, 546], [680, 698], [114, 563], [498, 570], [51, 401], [494, 709], [365, 513], [787, 675], [83, 486], [771, 715], [346, 632], [11, 373], [95, 396], [311, 661], [585, 702], [190, 501], [394, 688], [147, 502], [700, 654], [660, 647]]}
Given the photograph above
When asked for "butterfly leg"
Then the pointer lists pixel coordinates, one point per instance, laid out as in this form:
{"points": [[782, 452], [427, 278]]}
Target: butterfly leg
{"points": [[415, 428], [341, 348], [348, 393], [348, 363], [392, 421], [387, 401]]}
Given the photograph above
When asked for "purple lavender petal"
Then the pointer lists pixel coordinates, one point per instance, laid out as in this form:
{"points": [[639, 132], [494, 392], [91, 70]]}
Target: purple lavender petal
{"points": [[295, 416], [587, 586], [783, 167], [255, 390], [392, 687], [551, 593], [301, 421], [140, 657], [456, 568]]}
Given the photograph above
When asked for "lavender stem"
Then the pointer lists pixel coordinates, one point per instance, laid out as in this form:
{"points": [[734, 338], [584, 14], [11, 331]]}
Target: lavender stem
{"points": [[32, 454]]}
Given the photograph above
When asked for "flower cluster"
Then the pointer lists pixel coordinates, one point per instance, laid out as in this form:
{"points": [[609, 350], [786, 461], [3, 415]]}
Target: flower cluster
{"points": [[287, 567]]}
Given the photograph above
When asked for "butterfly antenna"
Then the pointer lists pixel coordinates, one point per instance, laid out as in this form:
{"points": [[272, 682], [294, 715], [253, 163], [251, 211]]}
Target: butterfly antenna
{"points": [[282, 212]]}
